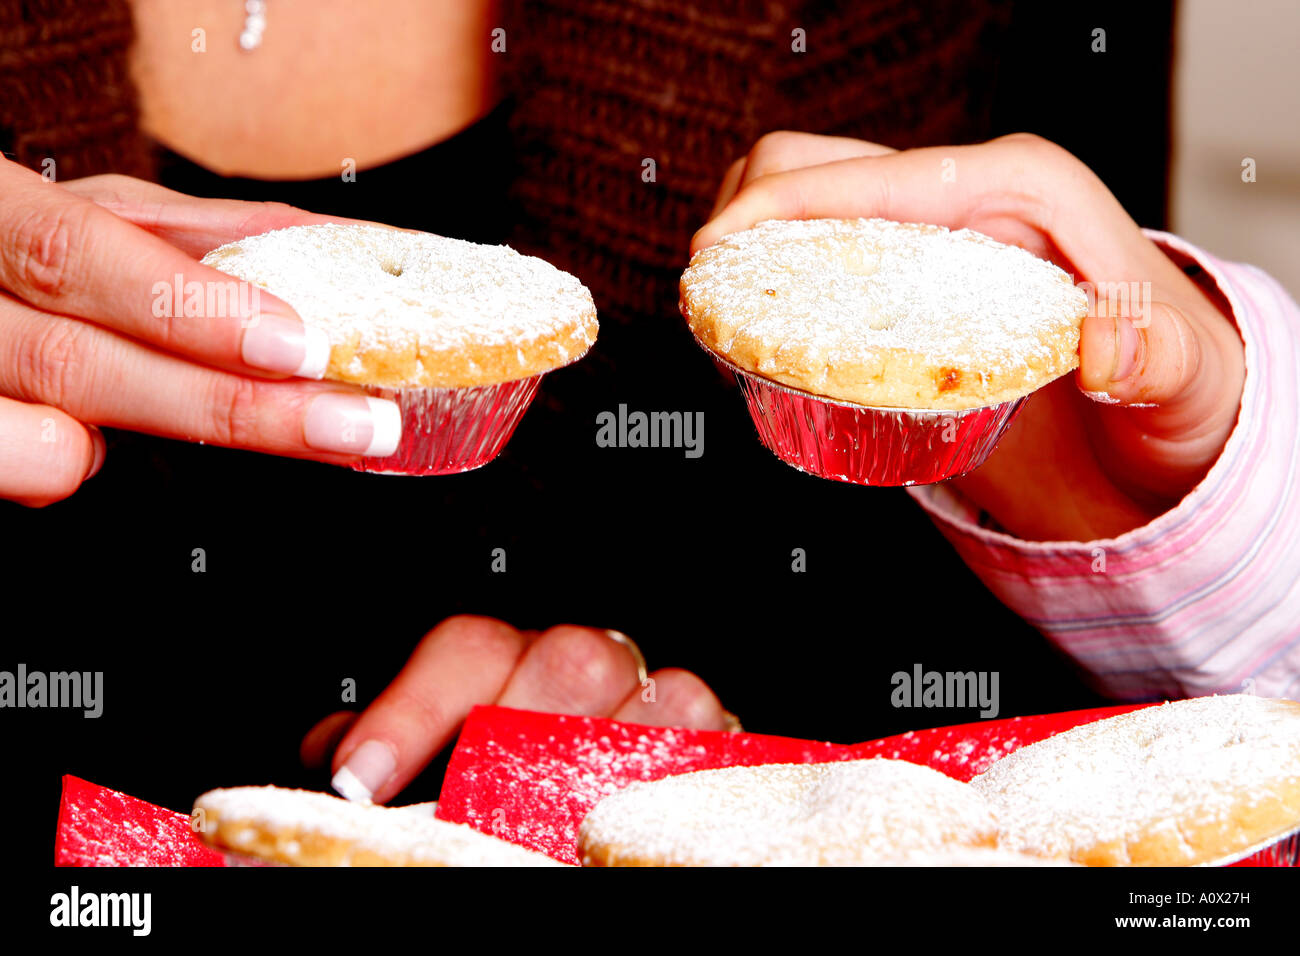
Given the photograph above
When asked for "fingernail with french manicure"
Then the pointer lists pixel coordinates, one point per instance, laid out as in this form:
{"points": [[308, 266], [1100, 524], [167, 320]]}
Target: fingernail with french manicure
{"points": [[353, 425], [367, 769], [1128, 349], [281, 343], [101, 449]]}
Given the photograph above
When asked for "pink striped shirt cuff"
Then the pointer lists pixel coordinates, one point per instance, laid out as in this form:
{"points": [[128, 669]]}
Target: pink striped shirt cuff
{"points": [[1205, 598]]}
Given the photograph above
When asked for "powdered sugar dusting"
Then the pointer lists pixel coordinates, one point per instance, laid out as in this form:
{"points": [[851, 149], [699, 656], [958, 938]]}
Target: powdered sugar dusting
{"points": [[1190, 762], [392, 287], [397, 832], [849, 289], [841, 813], [531, 778]]}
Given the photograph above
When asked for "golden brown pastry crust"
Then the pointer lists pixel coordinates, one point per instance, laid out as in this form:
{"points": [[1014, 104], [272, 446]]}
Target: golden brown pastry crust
{"points": [[851, 813], [405, 309], [407, 363], [884, 314], [306, 828], [1155, 815], [597, 854]]}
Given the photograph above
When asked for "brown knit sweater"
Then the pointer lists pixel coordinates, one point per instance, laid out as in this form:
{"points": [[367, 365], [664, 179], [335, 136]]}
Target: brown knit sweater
{"points": [[65, 91], [602, 86]]}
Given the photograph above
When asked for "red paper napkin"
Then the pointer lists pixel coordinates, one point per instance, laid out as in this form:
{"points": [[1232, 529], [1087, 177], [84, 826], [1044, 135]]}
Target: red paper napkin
{"points": [[530, 778], [101, 827]]}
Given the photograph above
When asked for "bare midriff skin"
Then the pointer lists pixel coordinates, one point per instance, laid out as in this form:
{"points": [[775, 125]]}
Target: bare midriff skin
{"points": [[334, 80]]}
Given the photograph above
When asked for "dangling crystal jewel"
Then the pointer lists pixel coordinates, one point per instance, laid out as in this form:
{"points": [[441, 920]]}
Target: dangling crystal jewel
{"points": [[250, 38]]}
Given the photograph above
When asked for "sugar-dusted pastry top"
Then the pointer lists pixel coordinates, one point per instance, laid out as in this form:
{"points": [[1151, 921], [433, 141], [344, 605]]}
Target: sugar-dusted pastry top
{"points": [[828, 814], [1186, 782], [307, 828], [408, 308], [885, 313]]}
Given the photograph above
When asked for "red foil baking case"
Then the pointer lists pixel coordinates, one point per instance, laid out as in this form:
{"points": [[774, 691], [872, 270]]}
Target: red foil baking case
{"points": [[449, 430], [867, 445], [1275, 851]]}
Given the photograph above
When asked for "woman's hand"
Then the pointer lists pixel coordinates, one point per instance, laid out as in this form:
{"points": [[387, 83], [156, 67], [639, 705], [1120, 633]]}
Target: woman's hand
{"points": [[90, 335], [466, 661], [1160, 378]]}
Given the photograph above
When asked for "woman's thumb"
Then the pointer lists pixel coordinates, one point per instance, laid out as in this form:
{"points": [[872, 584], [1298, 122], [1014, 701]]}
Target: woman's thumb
{"points": [[1144, 355]]}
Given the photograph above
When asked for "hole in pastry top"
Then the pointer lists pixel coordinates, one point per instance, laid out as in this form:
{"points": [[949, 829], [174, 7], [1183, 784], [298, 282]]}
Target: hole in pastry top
{"points": [[391, 267]]}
